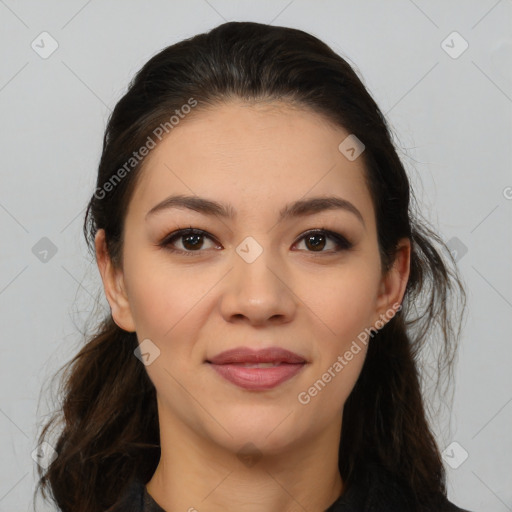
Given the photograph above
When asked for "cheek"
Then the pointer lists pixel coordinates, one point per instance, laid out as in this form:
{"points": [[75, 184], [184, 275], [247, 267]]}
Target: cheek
{"points": [[343, 302], [163, 297], [166, 306], [157, 305]]}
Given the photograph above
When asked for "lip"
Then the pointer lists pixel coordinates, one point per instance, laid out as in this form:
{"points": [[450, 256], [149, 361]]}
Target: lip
{"points": [[231, 365], [248, 355]]}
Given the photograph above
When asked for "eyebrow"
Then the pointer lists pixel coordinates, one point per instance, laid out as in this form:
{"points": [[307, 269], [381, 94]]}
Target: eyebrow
{"points": [[300, 208]]}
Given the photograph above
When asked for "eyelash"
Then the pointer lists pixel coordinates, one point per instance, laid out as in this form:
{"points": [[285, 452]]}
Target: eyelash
{"points": [[342, 243]]}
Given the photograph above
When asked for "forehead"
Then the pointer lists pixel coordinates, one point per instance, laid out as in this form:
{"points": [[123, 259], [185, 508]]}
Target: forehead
{"points": [[252, 155]]}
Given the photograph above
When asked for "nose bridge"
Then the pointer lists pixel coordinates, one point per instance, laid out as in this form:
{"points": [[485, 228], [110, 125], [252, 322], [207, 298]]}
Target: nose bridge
{"points": [[255, 288]]}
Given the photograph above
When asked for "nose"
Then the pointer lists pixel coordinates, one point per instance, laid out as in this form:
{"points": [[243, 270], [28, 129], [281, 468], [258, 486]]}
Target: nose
{"points": [[258, 292]]}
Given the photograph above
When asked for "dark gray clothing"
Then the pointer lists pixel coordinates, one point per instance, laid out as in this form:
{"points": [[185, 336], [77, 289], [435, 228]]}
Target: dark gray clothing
{"points": [[378, 493]]}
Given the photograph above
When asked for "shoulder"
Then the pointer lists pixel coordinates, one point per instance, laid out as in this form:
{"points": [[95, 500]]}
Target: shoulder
{"points": [[135, 498], [131, 499], [378, 491], [385, 489], [450, 507]]}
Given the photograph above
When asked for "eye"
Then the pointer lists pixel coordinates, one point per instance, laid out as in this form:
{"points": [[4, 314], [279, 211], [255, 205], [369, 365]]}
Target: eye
{"points": [[317, 239], [191, 240]]}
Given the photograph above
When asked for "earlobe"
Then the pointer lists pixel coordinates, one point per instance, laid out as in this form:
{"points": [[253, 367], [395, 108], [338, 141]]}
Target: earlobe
{"points": [[113, 284], [394, 283]]}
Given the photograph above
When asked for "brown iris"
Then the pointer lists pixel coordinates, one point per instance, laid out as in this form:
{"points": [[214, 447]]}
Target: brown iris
{"points": [[194, 241], [315, 245]]}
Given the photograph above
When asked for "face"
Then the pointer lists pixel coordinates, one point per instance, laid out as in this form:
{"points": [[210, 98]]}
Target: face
{"points": [[260, 271]]}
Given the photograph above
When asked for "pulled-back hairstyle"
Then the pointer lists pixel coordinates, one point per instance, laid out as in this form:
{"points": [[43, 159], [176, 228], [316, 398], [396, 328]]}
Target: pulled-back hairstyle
{"points": [[108, 423]]}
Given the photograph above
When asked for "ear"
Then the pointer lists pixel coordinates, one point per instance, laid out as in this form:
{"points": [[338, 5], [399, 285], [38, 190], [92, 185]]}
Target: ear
{"points": [[394, 282], [113, 284]]}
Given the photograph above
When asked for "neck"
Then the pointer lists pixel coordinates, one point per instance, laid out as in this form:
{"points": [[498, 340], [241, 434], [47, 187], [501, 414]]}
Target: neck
{"points": [[195, 474]]}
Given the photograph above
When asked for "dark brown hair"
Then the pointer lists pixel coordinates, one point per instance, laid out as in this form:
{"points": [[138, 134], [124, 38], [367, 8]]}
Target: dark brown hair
{"points": [[108, 423]]}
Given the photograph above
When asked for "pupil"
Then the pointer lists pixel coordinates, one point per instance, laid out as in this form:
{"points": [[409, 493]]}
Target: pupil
{"points": [[316, 245], [194, 244]]}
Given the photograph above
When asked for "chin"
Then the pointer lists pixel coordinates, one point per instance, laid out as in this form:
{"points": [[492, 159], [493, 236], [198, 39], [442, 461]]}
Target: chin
{"points": [[266, 432]]}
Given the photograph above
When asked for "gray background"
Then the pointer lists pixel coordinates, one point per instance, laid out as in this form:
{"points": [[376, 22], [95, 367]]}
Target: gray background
{"points": [[452, 121]]}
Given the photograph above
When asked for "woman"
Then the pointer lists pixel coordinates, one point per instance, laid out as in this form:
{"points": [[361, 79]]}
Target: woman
{"points": [[270, 289]]}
